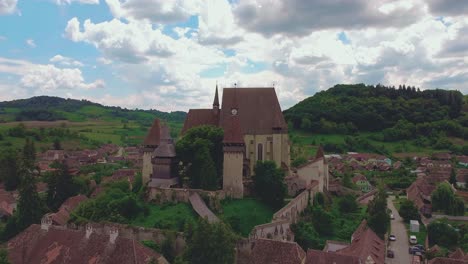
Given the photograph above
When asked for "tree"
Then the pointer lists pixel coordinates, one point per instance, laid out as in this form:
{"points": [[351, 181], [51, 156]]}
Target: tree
{"points": [[4, 256], [453, 177], [61, 186], [206, 169], [306, 236], [442, 234], [29, 153], [211, 243], [57, 144], [378, 218], [269, 183], [409, 211], [202, 142], [347, 204], [29, 209], [444, 199], [322, 221], [347, 181], [9, 170]]}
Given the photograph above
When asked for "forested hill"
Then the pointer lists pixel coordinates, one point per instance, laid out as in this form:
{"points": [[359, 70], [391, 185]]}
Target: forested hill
{"points": [[400, 113], [47, 108]]}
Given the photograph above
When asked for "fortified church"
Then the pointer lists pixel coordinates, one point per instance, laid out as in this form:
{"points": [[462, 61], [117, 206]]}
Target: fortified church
{"points": [[254, 130]]}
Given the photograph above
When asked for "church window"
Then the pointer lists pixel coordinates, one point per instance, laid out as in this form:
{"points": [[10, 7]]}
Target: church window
{"points": [[260, 151]]}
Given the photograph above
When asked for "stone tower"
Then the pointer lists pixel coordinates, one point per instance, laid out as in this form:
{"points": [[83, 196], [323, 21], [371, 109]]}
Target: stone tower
{"points": [[164, 161], [151, 142], [233, 148]]}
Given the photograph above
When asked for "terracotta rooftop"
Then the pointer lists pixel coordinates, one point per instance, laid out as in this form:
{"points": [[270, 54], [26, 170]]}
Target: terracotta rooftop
{"points": [[365, 244], [62, 216], [232, 130], [267, 251], [153, 136], [198, 117], [447, 261], [59, 245], [322, 257]]}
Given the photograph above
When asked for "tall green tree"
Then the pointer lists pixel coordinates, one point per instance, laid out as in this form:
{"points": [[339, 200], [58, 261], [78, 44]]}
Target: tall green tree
{"points": [[61, 186], [378, 219], [211, 244], [269, 183], [9, 170], [444, 199], [442, 234], [453, 177], [29, 153], [206, 169], [409, 211], [29, 208]]}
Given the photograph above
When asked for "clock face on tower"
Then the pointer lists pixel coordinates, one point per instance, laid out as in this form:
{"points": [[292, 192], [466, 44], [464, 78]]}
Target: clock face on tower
{"points": [[234, 111]]}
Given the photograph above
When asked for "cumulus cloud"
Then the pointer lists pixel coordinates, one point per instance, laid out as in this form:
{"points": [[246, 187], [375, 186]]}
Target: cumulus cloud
{"points": [[301, 17], [7, 6], [63, 2], [31, 43], [156, 11], [448, 7], [65, 61]]}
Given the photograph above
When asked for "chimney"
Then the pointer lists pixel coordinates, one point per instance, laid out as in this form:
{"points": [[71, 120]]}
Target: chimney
{"points": [[113, 234], [46, 222], [89, 230]]}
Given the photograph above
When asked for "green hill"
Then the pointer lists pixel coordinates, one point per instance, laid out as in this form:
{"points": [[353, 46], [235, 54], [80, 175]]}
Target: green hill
{"points": [[76, 123], [381, 119]]}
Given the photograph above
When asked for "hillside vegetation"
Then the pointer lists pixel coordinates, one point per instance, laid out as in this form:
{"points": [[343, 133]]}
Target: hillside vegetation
{"points": [[76, 124], [381, 119]]}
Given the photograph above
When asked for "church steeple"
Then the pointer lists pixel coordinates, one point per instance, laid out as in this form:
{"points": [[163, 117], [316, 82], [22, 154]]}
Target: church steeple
{"points": [[216, 99]]}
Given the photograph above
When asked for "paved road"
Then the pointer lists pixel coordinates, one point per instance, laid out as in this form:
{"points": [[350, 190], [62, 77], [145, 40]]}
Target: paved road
{"points": [[200, 207], [401, 245]]}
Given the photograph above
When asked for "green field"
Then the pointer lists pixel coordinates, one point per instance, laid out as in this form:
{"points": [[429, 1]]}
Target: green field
{"points": [[245, 214], [172, 217]]}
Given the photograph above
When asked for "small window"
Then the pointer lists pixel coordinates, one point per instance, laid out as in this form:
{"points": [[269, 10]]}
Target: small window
{"points": [[260, 151]]}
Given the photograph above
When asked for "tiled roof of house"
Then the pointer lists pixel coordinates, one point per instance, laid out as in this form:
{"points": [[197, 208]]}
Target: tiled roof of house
{"points": [[153, 136], [447, 261], [457, 254], [59, 245], [462, 175], [267, 251], [366, 244], [62, 216], [359, 177], [322, 257]]}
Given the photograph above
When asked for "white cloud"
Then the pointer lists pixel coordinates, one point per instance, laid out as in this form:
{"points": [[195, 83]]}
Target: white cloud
{"points": [[7, 6], [63, 2], [31, 43], [156, 11], [46, 78], [65, 61]]}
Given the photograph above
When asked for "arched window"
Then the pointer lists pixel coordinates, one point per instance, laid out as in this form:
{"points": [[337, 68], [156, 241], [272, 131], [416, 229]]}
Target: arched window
{"points": [[260, 152]]}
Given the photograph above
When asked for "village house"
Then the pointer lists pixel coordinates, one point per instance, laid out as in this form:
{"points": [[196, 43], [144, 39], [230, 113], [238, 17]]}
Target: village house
{"points": [[463, 160], [62, 216], [420, 193], [455, 257], [462, 176], [46, 243], [362, 183], [7, 203], [267, 251]]}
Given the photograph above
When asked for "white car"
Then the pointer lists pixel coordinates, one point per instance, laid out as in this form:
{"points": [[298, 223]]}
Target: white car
{"points": [[392, 238], [413, 240], [392, 216]]}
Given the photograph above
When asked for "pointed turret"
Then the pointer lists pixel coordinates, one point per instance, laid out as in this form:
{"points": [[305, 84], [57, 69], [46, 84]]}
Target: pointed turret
{"points": [[320, 154], [216, 99]]}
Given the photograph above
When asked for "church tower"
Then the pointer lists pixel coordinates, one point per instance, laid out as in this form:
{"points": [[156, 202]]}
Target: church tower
{"points": [[216, 108], [233, 148], [151, 142]]}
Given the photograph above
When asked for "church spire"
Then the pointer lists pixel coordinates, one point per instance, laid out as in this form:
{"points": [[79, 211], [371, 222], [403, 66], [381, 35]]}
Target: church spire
{"points": [[216, 99]]}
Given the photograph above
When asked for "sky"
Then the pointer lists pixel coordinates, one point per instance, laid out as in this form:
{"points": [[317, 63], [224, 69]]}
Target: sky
{"points": [[170, 54]]}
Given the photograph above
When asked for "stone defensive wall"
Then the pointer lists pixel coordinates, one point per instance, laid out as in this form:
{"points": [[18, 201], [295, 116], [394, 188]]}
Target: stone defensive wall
{"points": [[181, 195]]}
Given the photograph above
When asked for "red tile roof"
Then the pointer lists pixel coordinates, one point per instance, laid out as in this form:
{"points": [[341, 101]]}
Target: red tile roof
{"points": [[366, 244], [447, 261], [199, 117], [153, 136], [267, 251], [322, 257], [232, 130], [62, 216], [58, 245]]}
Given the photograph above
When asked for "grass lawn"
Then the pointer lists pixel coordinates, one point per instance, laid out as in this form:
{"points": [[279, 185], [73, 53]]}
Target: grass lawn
{"points": [[170, 216], [249, 212], [421, 235]]}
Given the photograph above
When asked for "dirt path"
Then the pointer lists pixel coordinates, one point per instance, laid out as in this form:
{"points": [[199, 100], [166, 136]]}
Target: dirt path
{"points": [[200, 207]]}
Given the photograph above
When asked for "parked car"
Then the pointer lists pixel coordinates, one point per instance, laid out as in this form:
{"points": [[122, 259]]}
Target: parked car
{"points": [[413, 240], [413, 250], [392, 216], [392, 238], [421, 247], [390, 253]]}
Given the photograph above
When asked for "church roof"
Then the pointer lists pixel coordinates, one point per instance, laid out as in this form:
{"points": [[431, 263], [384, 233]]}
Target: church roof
{"points": [[259, 110], [153, 136], [199, 117], [166, 148], [216, 98]]}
